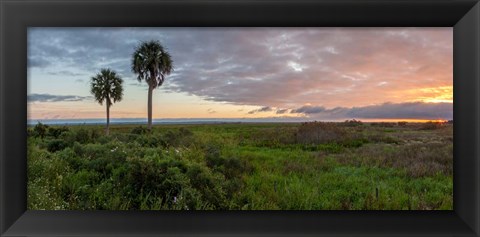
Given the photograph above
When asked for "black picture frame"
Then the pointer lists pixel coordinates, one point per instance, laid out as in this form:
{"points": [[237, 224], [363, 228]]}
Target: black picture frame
{"points": [[17, 16]]}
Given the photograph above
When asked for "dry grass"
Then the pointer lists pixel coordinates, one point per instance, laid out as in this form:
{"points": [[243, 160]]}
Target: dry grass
{"points": [[319, 132], [418, 160]]}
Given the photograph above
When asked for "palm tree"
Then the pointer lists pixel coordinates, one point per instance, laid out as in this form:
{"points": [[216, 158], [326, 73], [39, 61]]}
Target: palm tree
{"points": [[107, 86], [152, 63]]}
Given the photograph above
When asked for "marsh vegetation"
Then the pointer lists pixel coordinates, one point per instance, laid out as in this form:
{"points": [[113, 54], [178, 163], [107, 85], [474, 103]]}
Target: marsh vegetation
{"points": [[266, 166]]}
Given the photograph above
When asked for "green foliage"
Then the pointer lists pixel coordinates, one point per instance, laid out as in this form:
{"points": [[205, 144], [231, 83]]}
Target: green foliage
{"points": [[107, 87], [152, 63], [81, 135], [40, 130], [310, 166], [57, 132], [176, 138], [140, 130], [56, 145]]}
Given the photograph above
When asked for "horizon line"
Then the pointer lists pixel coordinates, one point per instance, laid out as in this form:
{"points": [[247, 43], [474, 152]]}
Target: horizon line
{"points": [[299, 119]]}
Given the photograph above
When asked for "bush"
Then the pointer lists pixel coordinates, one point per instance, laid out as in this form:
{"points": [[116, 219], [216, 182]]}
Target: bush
{"points": [[140, 130], [70, 155], [82, 136], [272, 137], [352, 123], [149, 141], [166, 180], [432, 125], [40, 130], [231, 167], [56, 132], [56, 145], [181, 137], [105, 139], [319, 132], [78, 189], [208, 185], [402, 123], [91, 151]]}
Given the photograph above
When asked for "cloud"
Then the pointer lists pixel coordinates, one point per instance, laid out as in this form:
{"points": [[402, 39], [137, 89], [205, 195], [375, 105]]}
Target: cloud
{"points": [[37, 62], [268, 67], [409, 110], [309, 109], [281, 111], [55, 98], [263, 109], [66, 73]]}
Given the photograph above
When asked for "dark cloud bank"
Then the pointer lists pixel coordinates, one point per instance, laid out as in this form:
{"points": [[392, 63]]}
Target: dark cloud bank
{"points": [[411, 110], [55, 98]]}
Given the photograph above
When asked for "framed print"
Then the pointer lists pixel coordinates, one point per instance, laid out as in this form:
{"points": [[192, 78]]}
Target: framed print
{"points": [[239, 118]]}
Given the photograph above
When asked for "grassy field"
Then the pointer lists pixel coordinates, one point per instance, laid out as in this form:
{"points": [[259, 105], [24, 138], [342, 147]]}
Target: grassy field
{"points": [[310, 166]]}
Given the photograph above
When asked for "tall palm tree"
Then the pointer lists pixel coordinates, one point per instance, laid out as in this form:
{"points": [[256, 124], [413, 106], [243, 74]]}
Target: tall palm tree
{"points": [[107, 86], [152, 63]]}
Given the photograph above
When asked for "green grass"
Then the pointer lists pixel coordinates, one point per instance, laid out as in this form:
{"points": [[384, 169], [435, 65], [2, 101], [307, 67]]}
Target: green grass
{"points": [[264, 166]]}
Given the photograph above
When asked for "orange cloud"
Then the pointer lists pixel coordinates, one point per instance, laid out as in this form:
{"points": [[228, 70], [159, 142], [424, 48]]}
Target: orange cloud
{"points": [[441, 94]]}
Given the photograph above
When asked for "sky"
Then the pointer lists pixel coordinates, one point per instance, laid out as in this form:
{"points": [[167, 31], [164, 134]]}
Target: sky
{"points": [[308, 73]]}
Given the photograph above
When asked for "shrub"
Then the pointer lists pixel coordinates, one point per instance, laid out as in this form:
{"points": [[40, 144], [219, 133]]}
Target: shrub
{"points": [[140, 130], [212, 152], [78, 189], [352, 123], [208, 185], [91, 151], [231, 167], [56, 145], [105, 139], [181, 137], [319, 132], [354, 143], [432, 125], [122, 137], [40, 130], [273, 137], [94, 135], [166, 180], [185, 132], [82, 136], [149, 140], [56, 132], [402, 123], [70, 155]]}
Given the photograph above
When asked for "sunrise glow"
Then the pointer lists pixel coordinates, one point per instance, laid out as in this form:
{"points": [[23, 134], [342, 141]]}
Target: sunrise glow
{"points": [[373, 74]]}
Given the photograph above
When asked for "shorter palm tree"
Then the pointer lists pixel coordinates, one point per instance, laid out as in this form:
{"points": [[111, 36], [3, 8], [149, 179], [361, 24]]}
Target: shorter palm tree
{"points": [[107, 87]]}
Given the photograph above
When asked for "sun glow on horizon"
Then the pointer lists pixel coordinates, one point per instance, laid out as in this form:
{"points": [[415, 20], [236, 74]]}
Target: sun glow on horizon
{"points": [[441, 94]]}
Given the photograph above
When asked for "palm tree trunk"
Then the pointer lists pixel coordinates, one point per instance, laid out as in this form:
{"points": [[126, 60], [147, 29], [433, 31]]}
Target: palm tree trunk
{"points": [[150, 91], [107, 130]]}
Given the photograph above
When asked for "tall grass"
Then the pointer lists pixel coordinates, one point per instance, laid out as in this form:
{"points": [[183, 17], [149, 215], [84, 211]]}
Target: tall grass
{"points": [[309, 166]]}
